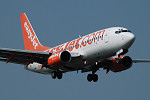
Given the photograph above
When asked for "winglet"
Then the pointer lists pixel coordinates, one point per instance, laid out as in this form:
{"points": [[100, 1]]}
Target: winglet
{"points": [[31, 41]]}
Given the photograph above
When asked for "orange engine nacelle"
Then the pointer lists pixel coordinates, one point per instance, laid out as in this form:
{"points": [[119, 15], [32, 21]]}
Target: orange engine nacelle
{"points": [[59, 58], [118, 65]]}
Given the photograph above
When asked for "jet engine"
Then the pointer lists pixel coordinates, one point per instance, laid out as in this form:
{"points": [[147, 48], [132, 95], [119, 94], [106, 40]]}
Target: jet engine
{"points": [[59, 58], [120, 64]]}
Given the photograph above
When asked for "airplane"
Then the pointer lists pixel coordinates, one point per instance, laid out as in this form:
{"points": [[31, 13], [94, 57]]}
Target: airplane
{"points": [[104, 49]]}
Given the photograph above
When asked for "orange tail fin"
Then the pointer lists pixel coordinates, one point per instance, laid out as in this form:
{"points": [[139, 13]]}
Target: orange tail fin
{"points": [[31, 41]]}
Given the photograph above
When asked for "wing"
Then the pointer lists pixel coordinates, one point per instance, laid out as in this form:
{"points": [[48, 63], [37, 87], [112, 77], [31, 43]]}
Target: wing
{"points": [[23, 56], [140, 60]]}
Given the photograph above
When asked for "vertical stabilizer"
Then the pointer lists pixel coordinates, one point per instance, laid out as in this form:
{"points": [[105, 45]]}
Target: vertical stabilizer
{"points": [[31, 41]]}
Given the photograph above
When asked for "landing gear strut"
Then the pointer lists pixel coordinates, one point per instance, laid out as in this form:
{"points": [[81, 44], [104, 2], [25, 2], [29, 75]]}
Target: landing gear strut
{"points": [[57, 74], [92, 77]]}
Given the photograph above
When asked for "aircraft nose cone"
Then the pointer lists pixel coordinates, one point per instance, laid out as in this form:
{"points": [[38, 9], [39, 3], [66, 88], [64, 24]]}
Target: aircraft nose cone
{"points": [[131, 37], [128, 39]]}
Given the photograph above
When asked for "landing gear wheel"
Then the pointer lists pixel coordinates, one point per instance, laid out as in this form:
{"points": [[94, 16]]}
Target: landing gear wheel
{"points": [[54, 74], [95, 77], [89, 77], [92, 77], [59, 75]]}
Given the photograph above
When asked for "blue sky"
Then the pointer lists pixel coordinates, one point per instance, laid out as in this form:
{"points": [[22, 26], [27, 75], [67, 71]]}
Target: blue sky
{"points": [[59, 21]]}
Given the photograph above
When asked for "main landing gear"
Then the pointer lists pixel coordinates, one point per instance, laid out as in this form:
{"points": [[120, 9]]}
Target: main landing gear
{"points": [[92, 77], [57, 74]]}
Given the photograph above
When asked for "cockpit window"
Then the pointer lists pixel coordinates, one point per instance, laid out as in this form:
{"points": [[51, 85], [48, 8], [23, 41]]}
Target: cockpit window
{"points": [[117, 32], [126, 31], [121, 30]]}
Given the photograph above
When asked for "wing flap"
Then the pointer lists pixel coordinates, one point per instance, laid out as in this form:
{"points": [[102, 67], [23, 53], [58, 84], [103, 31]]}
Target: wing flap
{"points": [[23, 52], [16, 61], [22, 56]]}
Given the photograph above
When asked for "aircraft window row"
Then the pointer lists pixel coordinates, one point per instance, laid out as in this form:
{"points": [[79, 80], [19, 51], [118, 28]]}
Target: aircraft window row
{"points": [[91, 40], [85, 42], [72, 46], [119, 31]]}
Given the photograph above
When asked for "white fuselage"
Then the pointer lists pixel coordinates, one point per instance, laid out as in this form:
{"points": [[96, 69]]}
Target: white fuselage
{"points": [[96, 46]]}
